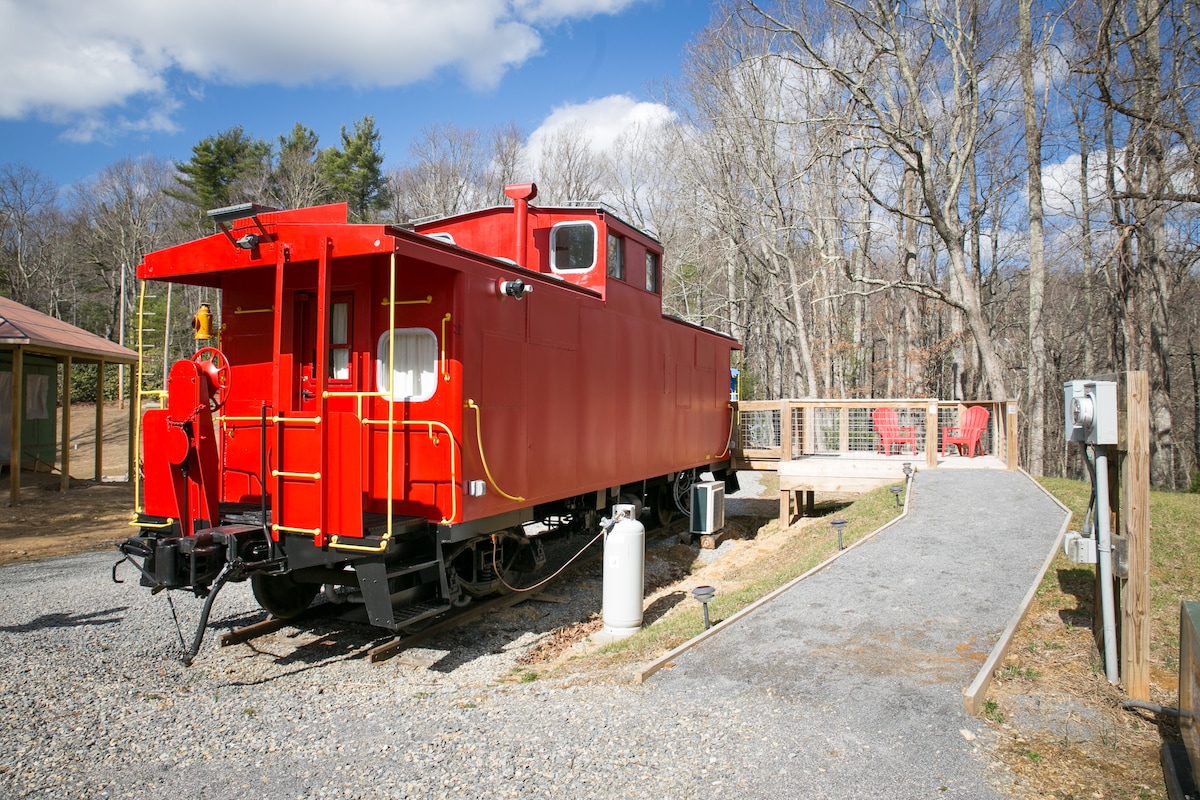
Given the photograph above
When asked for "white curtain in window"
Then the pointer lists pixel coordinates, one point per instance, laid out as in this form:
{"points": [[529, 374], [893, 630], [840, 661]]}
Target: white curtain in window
{"points": [[414, 375], [339, 323], [339, 337]]}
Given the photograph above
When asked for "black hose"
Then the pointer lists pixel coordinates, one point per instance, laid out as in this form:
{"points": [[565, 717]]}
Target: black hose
{"points": [[222, 577], [1155, 708]]}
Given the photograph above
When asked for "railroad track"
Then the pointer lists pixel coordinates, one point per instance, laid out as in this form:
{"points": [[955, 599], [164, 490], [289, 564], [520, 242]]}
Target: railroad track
{"points": [[449, 621]]}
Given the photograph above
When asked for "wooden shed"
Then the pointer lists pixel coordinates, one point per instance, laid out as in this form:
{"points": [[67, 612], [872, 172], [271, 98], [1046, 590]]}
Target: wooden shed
{"points": [[32, 347]]}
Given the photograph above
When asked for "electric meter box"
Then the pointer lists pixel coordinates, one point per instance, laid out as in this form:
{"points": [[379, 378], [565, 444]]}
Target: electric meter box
{"points": [[1090, 409]]}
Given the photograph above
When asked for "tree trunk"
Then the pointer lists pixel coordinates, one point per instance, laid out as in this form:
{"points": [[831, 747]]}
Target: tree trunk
{"points": [[1036, 413]]}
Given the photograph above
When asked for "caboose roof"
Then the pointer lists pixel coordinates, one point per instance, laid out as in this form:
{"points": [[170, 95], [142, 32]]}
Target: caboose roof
{"points": [[563, 209], [203, 262]]}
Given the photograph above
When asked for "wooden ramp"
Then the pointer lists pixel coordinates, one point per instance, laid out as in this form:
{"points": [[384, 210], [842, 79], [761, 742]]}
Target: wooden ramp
{"points": [[855, 473], [833, 446]]}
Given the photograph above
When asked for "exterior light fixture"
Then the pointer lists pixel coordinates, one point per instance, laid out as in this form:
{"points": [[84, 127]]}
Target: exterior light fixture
{"points": [[896, 490], [515, 288], [908, 470], [704, 594], [839, 525]]}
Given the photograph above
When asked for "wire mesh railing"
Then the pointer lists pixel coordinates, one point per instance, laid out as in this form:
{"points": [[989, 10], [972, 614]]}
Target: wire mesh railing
{"points": [[788, 429]]}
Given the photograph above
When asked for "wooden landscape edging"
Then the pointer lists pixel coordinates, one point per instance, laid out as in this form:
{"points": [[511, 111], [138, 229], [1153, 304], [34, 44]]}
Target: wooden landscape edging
{"points": [[664, 660], [974, 693]]}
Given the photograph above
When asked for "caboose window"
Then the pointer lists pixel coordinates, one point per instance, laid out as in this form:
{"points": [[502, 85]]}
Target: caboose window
{"points": [[616, 256], [573, 247], [651, 272], [414, 370], [339, 342]]}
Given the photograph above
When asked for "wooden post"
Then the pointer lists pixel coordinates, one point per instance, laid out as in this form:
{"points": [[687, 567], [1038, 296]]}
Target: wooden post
{"points": [[809, 431], [135, 402], [99, 467], [1135, 526], [64, 482], [785, 430], [1012, 452], [931, 434], [844, 429], [14, 438]]}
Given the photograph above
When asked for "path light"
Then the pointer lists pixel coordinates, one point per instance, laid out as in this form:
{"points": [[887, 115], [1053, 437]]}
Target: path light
{"points": [[839, 525], [908, 470], [896, 490], [704, 594]]}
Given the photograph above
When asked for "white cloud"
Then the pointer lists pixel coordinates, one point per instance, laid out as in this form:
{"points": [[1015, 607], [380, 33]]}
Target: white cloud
{"points": [[559, 10], [1061, 187], [65, 57], [94, 127], [604, 120]]}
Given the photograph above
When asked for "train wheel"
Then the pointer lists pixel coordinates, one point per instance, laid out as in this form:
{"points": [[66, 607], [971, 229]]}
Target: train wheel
{"points": [[663, 505], [282, 596], [682, 491]]}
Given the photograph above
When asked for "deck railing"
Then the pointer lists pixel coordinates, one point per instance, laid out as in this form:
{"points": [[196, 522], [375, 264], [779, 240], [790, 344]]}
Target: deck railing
{"points": [[783, 430]]}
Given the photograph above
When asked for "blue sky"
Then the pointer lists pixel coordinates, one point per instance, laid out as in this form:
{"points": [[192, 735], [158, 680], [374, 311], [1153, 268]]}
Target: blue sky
{"points": [[83, 85]]}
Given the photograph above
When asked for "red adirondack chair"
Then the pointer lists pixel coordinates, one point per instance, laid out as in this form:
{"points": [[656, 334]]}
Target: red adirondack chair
{"points": [[973, 423], [887, 425]]}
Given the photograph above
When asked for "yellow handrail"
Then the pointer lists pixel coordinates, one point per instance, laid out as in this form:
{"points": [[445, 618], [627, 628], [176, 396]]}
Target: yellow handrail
{"points": [[137, 409], [312, 476], [483, 459], [431, 424], [283, 420], [289, 529], [133, 523], [392, 301], [728, 436], [445, 371]]}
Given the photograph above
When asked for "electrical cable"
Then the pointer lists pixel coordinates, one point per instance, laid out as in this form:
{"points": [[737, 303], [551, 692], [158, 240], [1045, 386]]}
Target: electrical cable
{"points": [[174, 616], [546, 580]]}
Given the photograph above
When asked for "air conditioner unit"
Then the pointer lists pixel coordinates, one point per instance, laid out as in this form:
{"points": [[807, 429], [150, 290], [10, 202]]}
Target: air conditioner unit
{"points": [[708, 507]]}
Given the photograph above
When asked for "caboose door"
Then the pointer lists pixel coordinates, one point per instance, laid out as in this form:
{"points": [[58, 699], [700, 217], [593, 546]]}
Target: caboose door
{"points": [[319, 484], [340, 365]]}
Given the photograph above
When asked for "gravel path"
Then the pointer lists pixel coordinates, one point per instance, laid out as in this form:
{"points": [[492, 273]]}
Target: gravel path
{"points": [[94, 703]]}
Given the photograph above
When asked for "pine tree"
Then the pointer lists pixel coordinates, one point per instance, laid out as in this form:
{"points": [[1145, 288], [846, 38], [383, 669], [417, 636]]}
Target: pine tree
{"points": [[355, 172], [222, 171]]}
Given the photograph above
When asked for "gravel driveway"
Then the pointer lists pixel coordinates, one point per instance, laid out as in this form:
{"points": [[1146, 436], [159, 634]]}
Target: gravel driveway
{"points": [[94, 703]]}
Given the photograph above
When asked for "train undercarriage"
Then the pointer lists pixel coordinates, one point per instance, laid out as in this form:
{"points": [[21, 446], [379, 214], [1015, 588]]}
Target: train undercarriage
{"points": [[419, 572]]}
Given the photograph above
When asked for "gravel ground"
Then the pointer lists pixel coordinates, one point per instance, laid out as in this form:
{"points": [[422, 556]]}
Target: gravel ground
{"points": [[94, 703]]}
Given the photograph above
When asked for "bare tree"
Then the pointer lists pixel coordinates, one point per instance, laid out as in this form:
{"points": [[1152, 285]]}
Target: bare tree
{"points": [[27, 199], [569, 167], [1145, 69], [121, 216], [910, 80], [1036, 413]]}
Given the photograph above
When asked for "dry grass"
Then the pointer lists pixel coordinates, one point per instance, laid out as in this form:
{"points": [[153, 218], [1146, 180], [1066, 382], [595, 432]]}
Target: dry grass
{"points": [[764, 555], [90, 516], [1062, 731]]}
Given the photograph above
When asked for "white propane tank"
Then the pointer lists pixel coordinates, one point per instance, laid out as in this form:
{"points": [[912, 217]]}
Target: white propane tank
{"points": [[624, 584]]}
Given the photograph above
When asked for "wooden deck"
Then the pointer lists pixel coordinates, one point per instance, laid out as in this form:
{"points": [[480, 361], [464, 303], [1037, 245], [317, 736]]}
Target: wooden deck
{"points": [[829, 446]]}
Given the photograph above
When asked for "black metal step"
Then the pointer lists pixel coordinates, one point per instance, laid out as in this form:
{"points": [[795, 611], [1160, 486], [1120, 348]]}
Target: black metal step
{"points": [[419, 611]]}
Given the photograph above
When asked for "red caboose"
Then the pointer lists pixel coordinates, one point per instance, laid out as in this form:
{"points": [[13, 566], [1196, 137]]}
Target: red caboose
{"points": [[381, 402]]}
